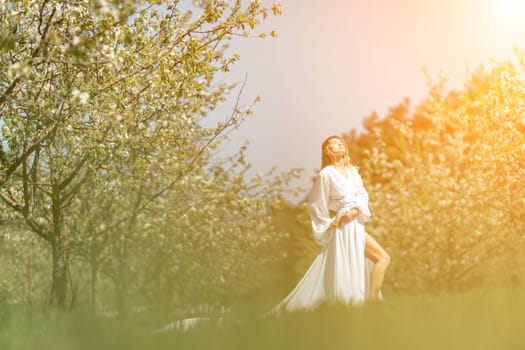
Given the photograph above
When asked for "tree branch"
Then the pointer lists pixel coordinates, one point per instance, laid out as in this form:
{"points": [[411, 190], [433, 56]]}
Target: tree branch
{"points": [[46, 133], [64, 200], [35, 52], [38, 229], [73, 173], [10, 201]]}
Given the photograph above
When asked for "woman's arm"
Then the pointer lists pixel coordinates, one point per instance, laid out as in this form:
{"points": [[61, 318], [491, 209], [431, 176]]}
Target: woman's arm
{"points": [[318, 209], [349, 216], [361, 200]]}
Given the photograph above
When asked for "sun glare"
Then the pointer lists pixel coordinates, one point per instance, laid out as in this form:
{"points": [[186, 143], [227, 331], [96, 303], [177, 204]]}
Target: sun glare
{"points": [[513, 10], [506, 19]]}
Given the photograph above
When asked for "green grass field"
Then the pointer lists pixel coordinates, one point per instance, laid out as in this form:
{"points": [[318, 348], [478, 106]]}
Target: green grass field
{"points": [[485, 319]]}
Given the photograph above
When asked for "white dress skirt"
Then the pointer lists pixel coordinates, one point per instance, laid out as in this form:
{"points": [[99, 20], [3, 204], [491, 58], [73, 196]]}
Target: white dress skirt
{"points": [[340, 273]]}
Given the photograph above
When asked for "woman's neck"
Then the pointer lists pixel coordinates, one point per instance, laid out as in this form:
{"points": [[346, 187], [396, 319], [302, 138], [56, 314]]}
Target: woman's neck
{"points": [[339, 163]]}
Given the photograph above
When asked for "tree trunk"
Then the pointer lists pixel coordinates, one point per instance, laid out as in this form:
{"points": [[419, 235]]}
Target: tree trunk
{"points": [[94, 279], [121, 287], [60, 260], [29, 278], [122, 283], [59, 278]]}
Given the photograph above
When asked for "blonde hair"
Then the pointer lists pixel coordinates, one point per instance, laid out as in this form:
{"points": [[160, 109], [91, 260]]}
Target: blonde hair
{"points": [[327, 156]]}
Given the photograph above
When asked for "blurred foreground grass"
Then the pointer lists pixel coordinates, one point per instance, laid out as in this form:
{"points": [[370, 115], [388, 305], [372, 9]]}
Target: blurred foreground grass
{"points": [[483, 319]]}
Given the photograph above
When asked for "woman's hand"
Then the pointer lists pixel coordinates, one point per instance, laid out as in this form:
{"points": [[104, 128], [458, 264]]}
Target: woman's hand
{"points": [[345, 218], [335, 223], [349, 216]]}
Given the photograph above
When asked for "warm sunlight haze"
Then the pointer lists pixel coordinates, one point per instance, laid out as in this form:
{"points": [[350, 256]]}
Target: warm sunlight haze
{"points": [[513, 11], [336, 63], [262, 174]]}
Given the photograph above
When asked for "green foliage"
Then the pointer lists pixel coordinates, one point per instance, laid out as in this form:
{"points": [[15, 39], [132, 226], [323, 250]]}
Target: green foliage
{"points": [[105, 157], [446, 180], [481, 319]]}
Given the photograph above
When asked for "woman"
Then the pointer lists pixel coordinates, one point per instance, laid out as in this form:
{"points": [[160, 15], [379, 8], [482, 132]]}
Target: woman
{"points": [[351, 266]]}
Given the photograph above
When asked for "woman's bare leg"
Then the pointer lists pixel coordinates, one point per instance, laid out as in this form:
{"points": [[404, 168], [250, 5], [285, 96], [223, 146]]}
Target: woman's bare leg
{"points": [[381, 259]]}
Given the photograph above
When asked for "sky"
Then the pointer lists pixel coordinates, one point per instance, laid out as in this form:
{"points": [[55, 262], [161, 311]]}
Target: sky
{"points": [[335, 62]]}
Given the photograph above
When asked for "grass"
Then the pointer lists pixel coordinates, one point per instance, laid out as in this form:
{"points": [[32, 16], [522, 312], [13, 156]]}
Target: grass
{"points": [[483, 319]]}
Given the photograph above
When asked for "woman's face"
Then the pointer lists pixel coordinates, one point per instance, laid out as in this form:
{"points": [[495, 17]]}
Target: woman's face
{"points": [[336, 147]]}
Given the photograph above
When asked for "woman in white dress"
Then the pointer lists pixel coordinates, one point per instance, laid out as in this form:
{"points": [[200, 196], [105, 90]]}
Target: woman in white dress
{"points": [[351, 265]]}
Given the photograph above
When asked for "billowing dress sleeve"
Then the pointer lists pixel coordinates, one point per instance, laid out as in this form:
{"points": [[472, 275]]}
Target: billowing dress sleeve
{"points": [[361, 199], [318, 209]]}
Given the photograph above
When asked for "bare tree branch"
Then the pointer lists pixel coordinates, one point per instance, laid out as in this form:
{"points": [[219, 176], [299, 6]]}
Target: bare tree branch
{"points": [[62, 185]]}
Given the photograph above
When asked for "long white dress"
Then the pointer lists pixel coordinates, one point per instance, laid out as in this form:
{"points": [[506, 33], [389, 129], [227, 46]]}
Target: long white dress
{"points": [[340, 273]]}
